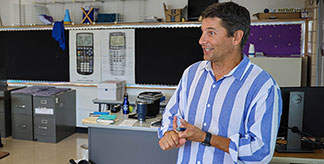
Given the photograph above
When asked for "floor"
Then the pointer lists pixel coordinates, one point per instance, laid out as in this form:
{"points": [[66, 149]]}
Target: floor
{"points": [[31, 152]]}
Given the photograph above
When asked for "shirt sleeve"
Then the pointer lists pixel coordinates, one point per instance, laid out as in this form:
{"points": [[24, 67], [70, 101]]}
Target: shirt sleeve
{"points": [[173, 108], [262, 123]]}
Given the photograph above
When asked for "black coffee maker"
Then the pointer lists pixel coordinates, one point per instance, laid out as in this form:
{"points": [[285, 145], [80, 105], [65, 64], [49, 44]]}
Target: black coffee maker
{"points": [[152, 100]]}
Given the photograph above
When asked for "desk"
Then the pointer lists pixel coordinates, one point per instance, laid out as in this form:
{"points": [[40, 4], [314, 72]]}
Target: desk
{"points": [[316, 157], [139, 144], [123, 144]]}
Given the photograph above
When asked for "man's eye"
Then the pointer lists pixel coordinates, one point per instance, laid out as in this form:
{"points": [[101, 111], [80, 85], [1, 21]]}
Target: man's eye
{"points": [[211, 33]]}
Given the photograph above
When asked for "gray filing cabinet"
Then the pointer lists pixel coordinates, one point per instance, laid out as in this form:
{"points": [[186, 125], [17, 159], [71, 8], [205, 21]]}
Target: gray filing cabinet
{"points": [[5, 110], [54, 114], [22, 112]]}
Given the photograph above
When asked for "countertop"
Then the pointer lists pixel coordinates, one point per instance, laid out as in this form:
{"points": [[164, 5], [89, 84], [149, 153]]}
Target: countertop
{"points": [[139, 125]]}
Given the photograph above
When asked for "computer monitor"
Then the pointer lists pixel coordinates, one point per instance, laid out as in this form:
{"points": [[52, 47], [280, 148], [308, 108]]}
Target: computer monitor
{"points": [[196, 7], [311, 102]]}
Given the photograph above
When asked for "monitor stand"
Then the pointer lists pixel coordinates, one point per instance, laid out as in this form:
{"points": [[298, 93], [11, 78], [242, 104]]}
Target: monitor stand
{"points": [[295, 119]]}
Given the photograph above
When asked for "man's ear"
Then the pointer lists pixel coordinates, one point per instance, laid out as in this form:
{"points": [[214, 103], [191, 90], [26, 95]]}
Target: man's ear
{"points": [[238, 35]]}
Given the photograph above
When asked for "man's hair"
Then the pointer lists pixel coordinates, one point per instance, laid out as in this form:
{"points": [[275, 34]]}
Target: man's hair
{"points": [[234, 17]]}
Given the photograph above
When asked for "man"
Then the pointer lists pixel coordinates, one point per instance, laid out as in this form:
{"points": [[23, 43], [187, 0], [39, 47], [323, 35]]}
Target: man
{"points": [[229, 107]]}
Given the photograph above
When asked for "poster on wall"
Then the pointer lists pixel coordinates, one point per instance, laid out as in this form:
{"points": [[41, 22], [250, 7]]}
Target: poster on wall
{"points": [[118, 55], [85, 56]]}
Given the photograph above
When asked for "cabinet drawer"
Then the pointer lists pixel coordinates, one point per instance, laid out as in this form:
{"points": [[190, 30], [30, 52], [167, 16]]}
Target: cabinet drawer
{"points": [[44, 126], [22, 127], [44, 102], [22, 104]]}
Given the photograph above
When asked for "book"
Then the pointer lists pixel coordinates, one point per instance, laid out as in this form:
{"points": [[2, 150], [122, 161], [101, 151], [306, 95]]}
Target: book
{"points": [[98, 114], [90, 120], [106, 118]]}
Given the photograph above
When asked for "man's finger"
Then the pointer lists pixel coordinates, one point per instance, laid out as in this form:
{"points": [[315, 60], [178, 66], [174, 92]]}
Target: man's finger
{"points": [[163, 145], [175, 138], [184, 123], [171, 143], [181, 142], [175, 123]]}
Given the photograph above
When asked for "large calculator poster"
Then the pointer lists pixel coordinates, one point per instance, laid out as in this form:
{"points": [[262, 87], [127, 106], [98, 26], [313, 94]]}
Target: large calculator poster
{"points": [[118, 55], [85, 56]]}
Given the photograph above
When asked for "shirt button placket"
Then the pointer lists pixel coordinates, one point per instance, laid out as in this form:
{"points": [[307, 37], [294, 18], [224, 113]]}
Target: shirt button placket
{"points": [[198, 162], [205, 124]]}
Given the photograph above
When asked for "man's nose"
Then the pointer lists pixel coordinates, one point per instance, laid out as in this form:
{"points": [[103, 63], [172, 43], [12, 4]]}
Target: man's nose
{"points": [[202, 39]]}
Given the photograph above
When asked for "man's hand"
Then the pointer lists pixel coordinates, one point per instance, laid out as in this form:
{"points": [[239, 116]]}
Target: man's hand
{"points": [[171, 138], [192, 132]]}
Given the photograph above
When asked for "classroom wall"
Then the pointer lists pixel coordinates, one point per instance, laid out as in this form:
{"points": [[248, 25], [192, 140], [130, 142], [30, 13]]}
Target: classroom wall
{"points": [[85, 95], [154, 7], [4, 12]]}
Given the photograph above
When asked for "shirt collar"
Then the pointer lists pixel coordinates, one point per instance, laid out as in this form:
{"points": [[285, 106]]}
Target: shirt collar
{"points": [[237, 72]]}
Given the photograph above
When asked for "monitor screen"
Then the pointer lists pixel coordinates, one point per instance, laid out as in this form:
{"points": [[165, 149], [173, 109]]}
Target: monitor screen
{"points": [[313, 120], [196, 7]]}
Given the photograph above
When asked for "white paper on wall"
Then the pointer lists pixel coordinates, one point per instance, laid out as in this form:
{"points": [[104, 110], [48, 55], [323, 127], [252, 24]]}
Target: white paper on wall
{"points": [[118, 55], [82, 68]]}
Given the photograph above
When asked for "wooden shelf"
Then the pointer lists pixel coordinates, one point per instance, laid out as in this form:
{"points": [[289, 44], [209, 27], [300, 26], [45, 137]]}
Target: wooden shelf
{"points": [[74, 84], [134, 25], [52, 84], [66, 2], [106, 26], [279, 20]]}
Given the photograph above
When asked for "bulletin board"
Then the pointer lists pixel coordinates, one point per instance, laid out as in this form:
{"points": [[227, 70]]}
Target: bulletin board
{"points": [[34, 55], [276, 40], [162, 54]]}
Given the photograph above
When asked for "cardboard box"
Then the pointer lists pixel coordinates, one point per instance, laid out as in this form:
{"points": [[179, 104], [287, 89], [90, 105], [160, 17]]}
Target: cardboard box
{"points": [[293, 15], [111, 90], [172, 15]]}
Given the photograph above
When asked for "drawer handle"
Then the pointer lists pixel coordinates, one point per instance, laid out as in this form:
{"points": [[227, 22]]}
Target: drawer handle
{"points": [[22, 106], [21, 126], [43, 101], [43, 121], [42, 127]]}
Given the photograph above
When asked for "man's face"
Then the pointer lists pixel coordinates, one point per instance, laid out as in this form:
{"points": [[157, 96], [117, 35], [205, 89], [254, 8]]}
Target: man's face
{"points": [[214, 41]]}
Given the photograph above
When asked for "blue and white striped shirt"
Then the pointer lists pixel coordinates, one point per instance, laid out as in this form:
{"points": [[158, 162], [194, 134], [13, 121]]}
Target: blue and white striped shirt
{"points": [[245, 106]]}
